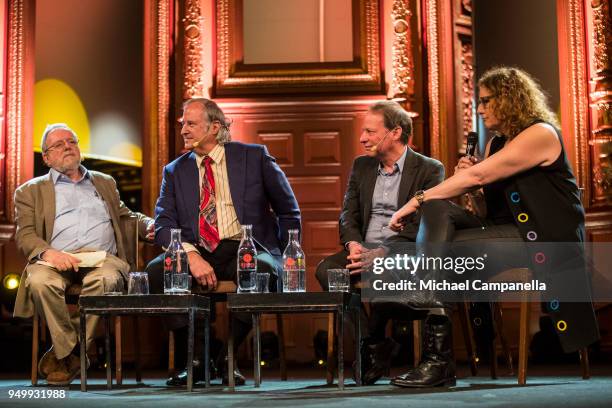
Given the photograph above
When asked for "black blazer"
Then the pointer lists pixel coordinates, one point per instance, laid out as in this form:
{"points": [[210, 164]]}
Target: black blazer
{"points": [[419, 173]]}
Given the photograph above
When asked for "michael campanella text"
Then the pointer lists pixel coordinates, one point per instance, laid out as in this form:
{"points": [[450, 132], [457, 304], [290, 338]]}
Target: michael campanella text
{"points": [[444, 285]]}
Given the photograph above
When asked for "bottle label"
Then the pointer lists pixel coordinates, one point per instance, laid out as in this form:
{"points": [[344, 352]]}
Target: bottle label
{"points": [[247, 262], [167, 264]]}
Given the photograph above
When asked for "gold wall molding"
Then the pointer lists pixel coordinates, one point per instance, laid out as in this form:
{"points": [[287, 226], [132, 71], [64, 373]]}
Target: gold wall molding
{"points": [[601, 95], [193, 29], [159, 24], [433, 70], [601, 101], [464, 70], [574, 94], [19, 103], [403, 82]]}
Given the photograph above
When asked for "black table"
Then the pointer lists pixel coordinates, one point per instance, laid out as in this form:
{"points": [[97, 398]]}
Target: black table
{"points": [[338, 303], [108, 306]]}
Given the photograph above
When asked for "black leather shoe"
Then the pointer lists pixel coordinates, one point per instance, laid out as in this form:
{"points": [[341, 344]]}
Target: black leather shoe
{"points": [[198, 374], [438, 366], [377, 359]]}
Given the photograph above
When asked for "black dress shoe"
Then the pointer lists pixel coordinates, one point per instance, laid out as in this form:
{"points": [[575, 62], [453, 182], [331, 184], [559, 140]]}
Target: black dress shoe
{"points": [[438, 366], [376, 359], [198, 374], [238, 377]]}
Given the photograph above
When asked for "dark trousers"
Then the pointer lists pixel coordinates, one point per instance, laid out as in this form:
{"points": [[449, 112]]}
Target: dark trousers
{"points": [[445, 222], [224, 262]]}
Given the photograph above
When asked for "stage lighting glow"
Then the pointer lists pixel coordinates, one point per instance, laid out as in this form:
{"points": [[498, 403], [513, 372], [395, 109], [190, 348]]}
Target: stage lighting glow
{"points": [[56, 101], [11, 281], [262, 363], [321, 362]]}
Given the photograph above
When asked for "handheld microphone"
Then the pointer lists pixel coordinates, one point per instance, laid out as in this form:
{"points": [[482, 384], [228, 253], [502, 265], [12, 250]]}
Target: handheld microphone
{"points": [[471, 143]]}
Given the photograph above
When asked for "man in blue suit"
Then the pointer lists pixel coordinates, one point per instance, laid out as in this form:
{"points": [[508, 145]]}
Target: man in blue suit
{"points": [[209, 193]]}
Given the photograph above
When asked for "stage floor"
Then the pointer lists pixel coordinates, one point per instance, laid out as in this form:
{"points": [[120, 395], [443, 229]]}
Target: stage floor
{"points": [[553, 386]]}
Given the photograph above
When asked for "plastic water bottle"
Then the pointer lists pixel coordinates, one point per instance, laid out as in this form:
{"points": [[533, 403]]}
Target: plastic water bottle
{"points": [[247, 261], [176, 265], [294, 265]]}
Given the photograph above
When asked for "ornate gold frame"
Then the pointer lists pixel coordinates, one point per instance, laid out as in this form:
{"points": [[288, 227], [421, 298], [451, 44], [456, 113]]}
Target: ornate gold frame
{"points": [[234, 77]]}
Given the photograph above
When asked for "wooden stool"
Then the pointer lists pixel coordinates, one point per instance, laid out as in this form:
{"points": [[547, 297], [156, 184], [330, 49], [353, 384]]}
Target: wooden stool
{"points": [[521, 275]]}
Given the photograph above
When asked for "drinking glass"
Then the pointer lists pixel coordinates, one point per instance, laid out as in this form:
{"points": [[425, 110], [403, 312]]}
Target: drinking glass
{"points": [[138, 283], [338, 280], [262, 281], [112, 286]]}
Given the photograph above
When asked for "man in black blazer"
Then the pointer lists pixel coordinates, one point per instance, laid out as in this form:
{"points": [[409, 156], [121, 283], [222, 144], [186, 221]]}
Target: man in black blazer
{"points": [[381, 181]]}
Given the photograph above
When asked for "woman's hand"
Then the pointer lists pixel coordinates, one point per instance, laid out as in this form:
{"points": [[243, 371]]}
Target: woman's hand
{"points": [[397, 223], [465, 163]]}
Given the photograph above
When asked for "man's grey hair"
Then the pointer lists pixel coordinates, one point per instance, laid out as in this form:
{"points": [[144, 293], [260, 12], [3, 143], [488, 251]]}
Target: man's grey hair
{"points": [[213, 114], [51, 128], [393, 116]]}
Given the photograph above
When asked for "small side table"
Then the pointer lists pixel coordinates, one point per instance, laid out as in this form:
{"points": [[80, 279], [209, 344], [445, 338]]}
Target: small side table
{"points": [[338, 303], [108, 306]]}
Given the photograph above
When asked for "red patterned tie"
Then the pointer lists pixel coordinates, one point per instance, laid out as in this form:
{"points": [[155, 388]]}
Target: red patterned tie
{"points": [[209, 234]]}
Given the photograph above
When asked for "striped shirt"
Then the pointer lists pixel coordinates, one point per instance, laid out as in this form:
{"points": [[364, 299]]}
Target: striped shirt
{"points": [[227, 221]]}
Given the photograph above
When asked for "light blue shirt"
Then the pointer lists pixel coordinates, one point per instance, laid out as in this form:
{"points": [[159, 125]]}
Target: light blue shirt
{"points": [[384, 202], [81, 217]]}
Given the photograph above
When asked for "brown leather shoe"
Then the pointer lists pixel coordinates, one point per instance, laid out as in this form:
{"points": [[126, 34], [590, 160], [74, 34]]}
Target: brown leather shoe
{"points": [[68, 370], [48, 364]]}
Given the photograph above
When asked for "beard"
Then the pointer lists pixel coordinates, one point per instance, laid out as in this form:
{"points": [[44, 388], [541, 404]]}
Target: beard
{"points": [[70, 164]]}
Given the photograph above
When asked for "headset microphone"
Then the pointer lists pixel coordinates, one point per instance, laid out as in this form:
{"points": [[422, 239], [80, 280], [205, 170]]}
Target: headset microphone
{"points": [[374, 148]]}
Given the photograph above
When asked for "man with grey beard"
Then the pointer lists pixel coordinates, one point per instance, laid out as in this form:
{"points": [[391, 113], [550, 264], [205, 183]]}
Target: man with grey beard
{"points": [[69, 210]]}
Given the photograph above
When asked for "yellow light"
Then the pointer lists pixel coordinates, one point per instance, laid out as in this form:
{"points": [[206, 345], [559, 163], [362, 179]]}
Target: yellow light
{"points": [[321, 362], [262, 363], [56, 101], [11, 281]]}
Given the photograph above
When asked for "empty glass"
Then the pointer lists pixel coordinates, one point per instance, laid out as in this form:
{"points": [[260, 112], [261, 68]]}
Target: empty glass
{"points": [[262, 282], [338, 280], [112, 286], [138, 283]]}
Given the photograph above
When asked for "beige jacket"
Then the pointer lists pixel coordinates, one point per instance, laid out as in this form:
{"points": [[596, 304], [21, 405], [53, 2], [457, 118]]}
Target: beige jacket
{"points": [[35, 215]]}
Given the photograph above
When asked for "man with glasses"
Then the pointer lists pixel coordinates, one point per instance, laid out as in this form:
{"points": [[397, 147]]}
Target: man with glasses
{"points": [[67, 211], [386, 177]]}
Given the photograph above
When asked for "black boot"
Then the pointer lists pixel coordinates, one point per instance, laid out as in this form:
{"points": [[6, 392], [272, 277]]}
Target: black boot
{"points": [[437, 366], [376, 359]]}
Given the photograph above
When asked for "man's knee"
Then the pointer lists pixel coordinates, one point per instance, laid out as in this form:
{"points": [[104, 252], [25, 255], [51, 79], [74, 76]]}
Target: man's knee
{"points": [[99, 279], [42, 279]]}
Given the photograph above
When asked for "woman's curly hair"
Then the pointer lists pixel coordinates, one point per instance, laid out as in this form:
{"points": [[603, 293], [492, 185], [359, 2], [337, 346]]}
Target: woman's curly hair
{"points": [[519, 100]]}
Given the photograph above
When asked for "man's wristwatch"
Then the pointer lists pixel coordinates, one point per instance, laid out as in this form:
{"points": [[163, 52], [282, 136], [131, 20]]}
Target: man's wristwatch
{"points": [[420, 197]]}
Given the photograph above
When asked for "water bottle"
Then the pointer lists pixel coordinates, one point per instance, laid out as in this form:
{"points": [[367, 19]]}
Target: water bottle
{"points": [[176, 265], [294, 265], [247, 261]]}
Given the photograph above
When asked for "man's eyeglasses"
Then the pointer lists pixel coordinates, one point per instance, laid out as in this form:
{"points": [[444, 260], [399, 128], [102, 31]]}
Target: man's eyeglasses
{"points": [[61, 143], [484, 100]]}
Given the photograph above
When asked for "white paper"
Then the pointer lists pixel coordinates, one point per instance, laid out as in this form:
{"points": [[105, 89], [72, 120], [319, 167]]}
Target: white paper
{"points": [[88, 259]]}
